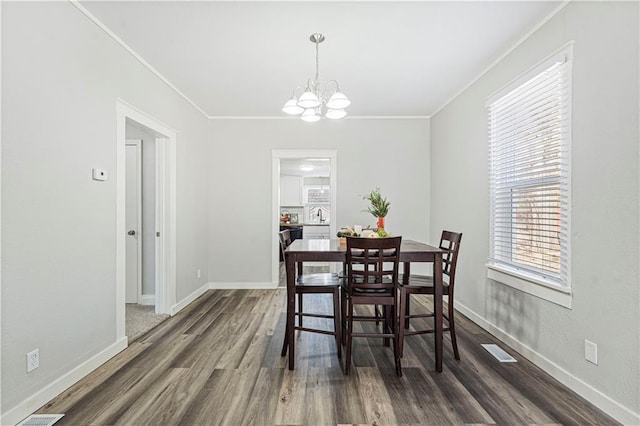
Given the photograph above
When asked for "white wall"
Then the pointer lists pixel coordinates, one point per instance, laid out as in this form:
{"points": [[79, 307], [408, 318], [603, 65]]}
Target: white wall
{"points": [[389, 153], [61, 77], [148, 206], [604, 222]]}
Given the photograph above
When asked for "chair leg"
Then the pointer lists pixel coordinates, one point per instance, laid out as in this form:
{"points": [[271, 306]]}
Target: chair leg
{"points": [[405, 318], [452, 329], [396, 326], [300, 309], [376, 313], [337, 324], [386, 313], [398, 359], [347, 366], [343, 318], [402, 323]]}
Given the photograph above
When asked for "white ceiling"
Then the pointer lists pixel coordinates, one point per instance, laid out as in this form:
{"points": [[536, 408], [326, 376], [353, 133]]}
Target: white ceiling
{"points": [[393, 58]]}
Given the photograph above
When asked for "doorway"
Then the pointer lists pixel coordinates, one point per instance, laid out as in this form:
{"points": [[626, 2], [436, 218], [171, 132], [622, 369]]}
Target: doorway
{"points": [[296, 192], [140, 212], [145, 239]]}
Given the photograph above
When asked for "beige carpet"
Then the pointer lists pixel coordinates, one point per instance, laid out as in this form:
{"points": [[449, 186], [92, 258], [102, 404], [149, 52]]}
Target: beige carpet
{"points": [[140, 319]]}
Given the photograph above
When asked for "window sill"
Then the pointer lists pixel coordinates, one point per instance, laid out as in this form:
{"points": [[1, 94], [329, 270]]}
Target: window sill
{"points": [[530, 285]]}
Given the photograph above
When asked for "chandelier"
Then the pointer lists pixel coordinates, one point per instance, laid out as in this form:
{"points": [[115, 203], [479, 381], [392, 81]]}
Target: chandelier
{"points": [[317, 98]]}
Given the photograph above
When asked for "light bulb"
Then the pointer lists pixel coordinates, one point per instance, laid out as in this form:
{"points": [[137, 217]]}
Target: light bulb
{"points": [[291, 107], [308, 100], [338, 101], [336, 114], [310, 115]]}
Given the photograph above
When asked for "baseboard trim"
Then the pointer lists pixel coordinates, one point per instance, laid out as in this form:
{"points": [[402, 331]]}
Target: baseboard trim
{"points": [[243, 286], [187, 300], [53, 389], [613, 408], [148, 299]]}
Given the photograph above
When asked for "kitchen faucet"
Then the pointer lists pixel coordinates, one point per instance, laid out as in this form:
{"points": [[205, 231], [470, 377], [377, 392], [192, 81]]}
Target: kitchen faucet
{"points": [[320, 215]]}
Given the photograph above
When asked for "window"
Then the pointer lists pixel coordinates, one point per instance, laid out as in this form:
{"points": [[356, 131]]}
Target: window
{"points": [[529, 125], [317, 200], [318, 196]]}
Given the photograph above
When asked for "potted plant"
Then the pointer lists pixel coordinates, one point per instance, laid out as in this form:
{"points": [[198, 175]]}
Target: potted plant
{"points": [[379, 206]]}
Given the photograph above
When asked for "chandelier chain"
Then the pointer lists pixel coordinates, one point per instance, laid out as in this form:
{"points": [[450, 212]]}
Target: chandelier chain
{"points": [[317, 62]]}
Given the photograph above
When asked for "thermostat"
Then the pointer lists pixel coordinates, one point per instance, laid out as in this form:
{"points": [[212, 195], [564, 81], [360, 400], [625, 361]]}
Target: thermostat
{"points": [[100, 174]]}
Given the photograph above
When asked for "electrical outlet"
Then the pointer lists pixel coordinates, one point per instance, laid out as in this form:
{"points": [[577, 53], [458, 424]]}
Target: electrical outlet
{"points": [[198, 274], [591, 352], [33, 360]]}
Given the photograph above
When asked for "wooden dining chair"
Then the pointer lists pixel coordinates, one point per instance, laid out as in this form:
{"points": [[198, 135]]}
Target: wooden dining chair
{"points": [[318, 283], [450, 243], [372, 279]]}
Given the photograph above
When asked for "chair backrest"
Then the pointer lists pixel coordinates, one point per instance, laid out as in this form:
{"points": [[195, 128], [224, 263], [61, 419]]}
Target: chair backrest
{"points": [[285, 240], [450, 243], [376, 261]]}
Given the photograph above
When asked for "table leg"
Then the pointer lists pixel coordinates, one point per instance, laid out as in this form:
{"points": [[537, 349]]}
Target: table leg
{"points": [[285, 341], [437, 305], [291, 306]]}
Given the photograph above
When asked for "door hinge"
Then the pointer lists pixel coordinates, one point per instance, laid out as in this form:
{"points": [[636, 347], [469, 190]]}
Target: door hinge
{"points": [[157, 234]]}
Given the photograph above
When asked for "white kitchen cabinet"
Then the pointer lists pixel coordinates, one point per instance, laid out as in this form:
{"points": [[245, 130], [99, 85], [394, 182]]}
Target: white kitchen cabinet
{"points": [[290, 190], [315, 232]]}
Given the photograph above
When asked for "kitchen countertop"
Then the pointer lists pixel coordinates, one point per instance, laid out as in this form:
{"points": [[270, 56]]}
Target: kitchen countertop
{"points": [[303, 224]]}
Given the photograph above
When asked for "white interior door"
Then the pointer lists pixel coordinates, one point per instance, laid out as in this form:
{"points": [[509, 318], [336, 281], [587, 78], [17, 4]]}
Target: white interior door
{"points": [[133, 200]]}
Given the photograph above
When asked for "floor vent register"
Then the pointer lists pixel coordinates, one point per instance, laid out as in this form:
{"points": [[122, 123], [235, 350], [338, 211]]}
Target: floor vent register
{"points": [[498, 353], [41, 420]]}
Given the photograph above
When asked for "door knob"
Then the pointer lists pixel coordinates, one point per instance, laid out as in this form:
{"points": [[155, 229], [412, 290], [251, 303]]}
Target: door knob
{"points": [[132, 232]]}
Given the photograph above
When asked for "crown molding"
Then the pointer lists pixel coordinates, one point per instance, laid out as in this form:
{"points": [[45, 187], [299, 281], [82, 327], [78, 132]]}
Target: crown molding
{"points": [[350, 117]]}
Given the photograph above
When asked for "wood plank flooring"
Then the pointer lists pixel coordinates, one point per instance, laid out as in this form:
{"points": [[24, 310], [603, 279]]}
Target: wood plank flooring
{"points": [[218, 363]]}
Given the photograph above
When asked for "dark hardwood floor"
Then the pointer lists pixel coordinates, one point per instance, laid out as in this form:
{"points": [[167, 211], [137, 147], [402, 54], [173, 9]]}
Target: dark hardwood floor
{"points": [[218, 362]]}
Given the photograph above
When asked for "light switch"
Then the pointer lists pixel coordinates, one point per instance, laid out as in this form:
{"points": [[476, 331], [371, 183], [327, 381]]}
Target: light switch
{"points": [[591, 352], [100, 174]]}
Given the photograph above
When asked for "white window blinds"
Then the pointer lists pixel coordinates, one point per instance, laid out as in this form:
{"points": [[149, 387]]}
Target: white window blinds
{"points": [[529, 173]]}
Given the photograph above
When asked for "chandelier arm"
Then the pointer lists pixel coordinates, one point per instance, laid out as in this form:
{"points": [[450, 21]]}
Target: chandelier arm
{"points": [[336, 83], [293, 94]]}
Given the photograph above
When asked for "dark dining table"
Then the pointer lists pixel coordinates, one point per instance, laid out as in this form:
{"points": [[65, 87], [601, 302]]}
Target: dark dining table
{"points": [[330, 250]]}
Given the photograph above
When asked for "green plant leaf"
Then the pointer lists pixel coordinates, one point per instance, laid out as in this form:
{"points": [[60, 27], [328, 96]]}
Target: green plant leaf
{"points": [[379, 205]]}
